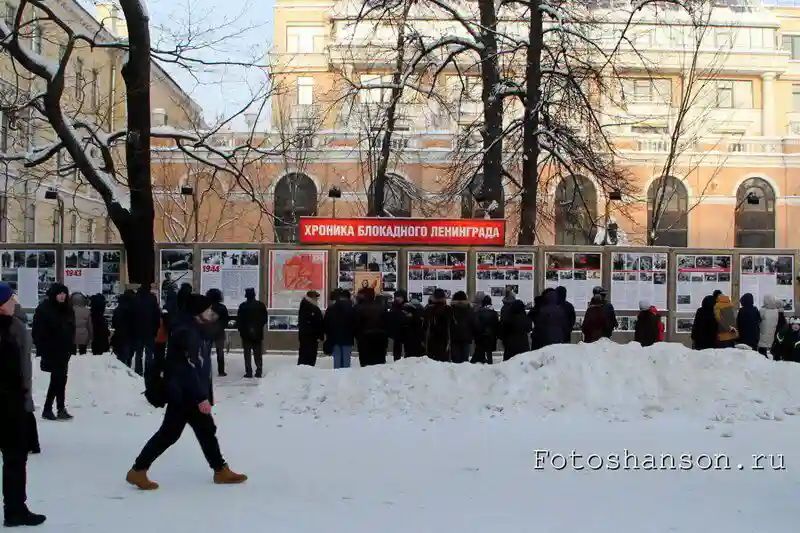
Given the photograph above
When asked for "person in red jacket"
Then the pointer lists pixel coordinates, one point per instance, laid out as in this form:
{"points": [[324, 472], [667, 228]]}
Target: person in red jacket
{"points": [[649, 327]]}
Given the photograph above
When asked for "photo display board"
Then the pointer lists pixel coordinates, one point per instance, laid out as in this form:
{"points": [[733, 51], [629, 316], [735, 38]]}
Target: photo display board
{"points": [[30, 273], [498, 271], [295, 272], [232, 272], [768, 275], [177, 268], [637, 277], [285, 323], [428, 271], [93, 272], [376, 269], [699, 276], [578, 272]]}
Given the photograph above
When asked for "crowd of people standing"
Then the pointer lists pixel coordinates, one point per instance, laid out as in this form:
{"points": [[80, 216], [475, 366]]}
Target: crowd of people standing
{"points": [[457, 331], [719, 324]]}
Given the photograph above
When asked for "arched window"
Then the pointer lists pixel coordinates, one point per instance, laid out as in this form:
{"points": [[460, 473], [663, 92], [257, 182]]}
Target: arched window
{"points": [[470, 208], [575, 210], [755, 214], [667, 213], [396, 200], [295, 197]]}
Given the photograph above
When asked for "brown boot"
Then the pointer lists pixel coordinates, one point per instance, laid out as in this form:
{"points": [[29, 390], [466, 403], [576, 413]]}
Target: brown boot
{"points": [[226, 476], [139, 479]]}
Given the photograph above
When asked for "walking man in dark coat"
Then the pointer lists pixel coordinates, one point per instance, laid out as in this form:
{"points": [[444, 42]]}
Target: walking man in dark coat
{"points": [[251, 320], [53, 334], [16, 406], [189, 397], [310, 329], [488, 330]]}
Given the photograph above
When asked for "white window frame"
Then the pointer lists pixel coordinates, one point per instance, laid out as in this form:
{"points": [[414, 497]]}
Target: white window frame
{"points": [[305, 39], [305, 90], [737, 89]]}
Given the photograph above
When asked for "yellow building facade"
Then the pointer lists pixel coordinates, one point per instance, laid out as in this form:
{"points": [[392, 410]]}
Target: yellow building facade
{"points": [[734, 175], [94, 89]]}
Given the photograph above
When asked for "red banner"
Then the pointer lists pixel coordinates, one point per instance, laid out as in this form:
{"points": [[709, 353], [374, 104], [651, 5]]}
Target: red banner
{"points": [[444, 231]]}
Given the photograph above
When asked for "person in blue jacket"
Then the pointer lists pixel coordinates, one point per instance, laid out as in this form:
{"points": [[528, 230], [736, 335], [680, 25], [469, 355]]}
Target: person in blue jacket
{"points": [[189, 396]]}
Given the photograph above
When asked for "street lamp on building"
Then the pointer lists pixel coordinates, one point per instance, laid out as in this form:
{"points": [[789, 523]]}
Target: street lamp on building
{"points": [[188, 190], [334, 193], [52, 194]]}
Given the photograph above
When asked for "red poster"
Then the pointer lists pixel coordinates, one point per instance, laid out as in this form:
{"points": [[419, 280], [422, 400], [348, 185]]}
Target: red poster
{"points": [[445, 231]]}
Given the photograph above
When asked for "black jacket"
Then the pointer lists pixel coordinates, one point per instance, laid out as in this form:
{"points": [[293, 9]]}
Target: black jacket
{"points": [[748, 322], [100, 332], [488, 328], [146, 315], [437, 317], [414, 335], [188, 362], [647, 328], [704, 328], [397, 318], [569, 313], [611, 320], [596, 323], [53, 330], [340, 324], [310, 325], [551, 321], [251, 318], [12, 383], [371, 319], [217, 329], [516, 328], [463, 322]]}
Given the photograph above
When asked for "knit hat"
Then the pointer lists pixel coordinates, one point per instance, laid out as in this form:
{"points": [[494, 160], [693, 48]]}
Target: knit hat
{"points": [[644, 305], [599, 290], [6, 293]]}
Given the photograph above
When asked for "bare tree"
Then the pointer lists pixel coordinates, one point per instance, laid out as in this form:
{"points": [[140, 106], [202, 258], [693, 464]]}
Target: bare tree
{"points": [[114, 163]]}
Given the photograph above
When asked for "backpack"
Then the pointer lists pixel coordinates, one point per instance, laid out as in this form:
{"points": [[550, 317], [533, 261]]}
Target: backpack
{"points": [[155, 387]]}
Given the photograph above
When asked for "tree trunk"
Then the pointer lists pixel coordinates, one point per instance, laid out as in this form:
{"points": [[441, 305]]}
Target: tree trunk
{"points": [[136, 228], [379, 189], [530, 141], [492, 111]]}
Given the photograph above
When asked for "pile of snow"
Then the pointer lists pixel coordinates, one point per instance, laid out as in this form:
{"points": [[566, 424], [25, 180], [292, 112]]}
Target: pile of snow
{"points": [[619, 381], [99, 382]]}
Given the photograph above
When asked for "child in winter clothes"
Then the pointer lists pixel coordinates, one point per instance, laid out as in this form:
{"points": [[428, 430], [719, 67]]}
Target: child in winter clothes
{"points": [[772, 322], [649, 328]]}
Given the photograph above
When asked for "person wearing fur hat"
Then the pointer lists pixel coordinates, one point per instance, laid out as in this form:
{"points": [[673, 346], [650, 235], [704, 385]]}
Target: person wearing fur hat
{"points": [[488, 330], [189, 396], [462, 328], [54, 334], [438, 316], [310, 329], [16, 407]]}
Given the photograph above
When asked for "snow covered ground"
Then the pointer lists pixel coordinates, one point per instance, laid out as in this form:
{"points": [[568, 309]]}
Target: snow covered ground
{"points": [[421, 447]]}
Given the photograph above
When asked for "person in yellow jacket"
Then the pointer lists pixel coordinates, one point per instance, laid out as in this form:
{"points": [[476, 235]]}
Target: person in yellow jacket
{"points": [[725, 313]]}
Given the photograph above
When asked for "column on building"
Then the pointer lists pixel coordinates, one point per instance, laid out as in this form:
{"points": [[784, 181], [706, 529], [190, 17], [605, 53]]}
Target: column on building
{"points": [[768, 105]]}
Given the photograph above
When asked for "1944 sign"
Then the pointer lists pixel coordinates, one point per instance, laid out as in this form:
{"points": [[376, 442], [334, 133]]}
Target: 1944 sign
{"points": [[211, 268]]}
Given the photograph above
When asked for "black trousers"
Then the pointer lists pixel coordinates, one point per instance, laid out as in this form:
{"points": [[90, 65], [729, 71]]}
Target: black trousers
{"points": [[253, 350], [32, 434], [79, 349], [481, 355], [160, 354], [398, 349], [372, 350], [57, 390], [307, 352], [15, 462], [176, 417], [219, 344]]}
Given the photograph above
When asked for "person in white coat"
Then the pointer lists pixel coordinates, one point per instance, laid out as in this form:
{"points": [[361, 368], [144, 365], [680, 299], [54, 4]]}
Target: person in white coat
{"points": [[772, 320]]}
